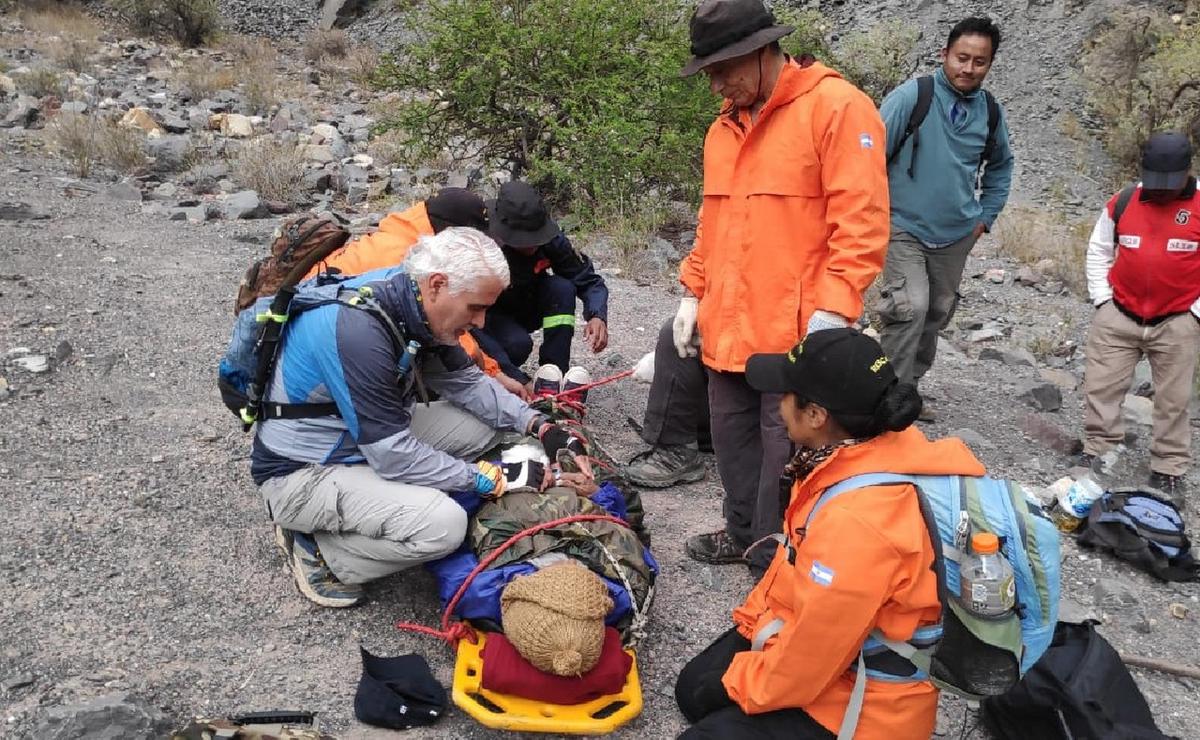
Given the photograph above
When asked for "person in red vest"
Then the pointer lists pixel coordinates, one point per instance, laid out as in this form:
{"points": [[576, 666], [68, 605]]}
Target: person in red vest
{"points": [[1143, 271]]}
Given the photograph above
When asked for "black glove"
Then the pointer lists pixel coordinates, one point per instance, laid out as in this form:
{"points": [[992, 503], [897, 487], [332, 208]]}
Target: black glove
{"points": [[523, 476], [555, 438]]}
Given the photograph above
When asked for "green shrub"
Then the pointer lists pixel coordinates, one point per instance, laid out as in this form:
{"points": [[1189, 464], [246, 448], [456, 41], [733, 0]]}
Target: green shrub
{"points": [[879, 58], [581, 97], [1142, 74], [191, 23]]}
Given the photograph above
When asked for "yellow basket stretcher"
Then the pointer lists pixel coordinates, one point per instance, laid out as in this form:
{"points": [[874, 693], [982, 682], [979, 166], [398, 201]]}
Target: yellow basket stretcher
{"points": [[503, 712]]}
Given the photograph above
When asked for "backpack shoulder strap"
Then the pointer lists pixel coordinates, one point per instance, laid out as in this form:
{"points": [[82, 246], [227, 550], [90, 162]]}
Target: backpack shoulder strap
{"points": [[1119, 207], [993, 109], [915, 118], [853, 483]]}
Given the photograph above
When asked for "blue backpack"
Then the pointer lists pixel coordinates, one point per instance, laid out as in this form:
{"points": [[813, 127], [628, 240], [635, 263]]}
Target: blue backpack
{"points": [[258, 332], [967, 654]]}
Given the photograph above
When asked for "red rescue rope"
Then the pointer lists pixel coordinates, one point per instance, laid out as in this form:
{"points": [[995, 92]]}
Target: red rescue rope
{"points": [[589, 386], [452, 633]]}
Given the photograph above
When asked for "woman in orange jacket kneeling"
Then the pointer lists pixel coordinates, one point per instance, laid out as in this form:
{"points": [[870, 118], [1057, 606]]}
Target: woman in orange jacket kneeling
{"points": [[862, 561]]}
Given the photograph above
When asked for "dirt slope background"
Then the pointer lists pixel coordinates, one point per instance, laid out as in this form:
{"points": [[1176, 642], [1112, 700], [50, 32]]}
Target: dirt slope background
{"points": [[137, 556]]}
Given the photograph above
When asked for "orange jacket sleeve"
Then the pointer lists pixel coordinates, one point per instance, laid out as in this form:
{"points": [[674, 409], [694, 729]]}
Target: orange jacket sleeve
{"points": [[489, 366], [854, 178], [691, 270], [842, 576]]}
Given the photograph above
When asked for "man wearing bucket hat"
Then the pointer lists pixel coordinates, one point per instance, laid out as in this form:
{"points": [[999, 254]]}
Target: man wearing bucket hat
{"points": [[855, 563], [1143, 270], [548, 274], [793, 228]]}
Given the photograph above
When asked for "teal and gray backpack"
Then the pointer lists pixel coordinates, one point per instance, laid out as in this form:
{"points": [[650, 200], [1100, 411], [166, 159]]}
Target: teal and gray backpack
{"points": [[967, 654]]}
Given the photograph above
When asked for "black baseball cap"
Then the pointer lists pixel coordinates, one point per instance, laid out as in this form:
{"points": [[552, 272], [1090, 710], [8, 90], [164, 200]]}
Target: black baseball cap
{"points": [[456, 207], [1166, 161], [841, 370]]}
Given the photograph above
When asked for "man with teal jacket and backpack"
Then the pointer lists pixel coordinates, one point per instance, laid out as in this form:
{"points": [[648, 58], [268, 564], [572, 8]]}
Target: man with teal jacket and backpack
{"points": [[946, 140]]}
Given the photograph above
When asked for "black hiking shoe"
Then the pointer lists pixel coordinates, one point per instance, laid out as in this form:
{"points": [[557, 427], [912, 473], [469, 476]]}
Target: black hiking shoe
{"points": [[664, 466], [1173, 486], [715, 548]]}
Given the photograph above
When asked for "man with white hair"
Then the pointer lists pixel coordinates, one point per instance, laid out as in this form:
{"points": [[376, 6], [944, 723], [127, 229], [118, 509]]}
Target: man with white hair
{"points": [[362, 493]]}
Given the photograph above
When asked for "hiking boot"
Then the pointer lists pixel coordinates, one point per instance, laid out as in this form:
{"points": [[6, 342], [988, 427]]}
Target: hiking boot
{"points": [[283, 541], [927, 415], [547, 381], [664, 466], [314, 578], [1173, 486], [576, 377], [716, 548]]}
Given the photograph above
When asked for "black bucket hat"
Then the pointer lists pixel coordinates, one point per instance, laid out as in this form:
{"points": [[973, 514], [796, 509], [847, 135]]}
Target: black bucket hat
{"points": [[842, 370], [724, 29], [518, 218]]}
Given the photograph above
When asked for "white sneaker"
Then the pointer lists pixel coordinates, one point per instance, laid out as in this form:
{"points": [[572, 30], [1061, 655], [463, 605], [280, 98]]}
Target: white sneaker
{"points": [[547, 381], [576, 377]]}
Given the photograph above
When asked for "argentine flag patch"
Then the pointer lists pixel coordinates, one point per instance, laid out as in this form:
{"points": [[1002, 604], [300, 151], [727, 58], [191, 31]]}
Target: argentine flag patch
{"points": [[822, 575], [865, 141]]}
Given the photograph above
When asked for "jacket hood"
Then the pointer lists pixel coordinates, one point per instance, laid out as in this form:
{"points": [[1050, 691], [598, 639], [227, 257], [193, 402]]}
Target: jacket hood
{"points": [[908, 453], [794, 81]]}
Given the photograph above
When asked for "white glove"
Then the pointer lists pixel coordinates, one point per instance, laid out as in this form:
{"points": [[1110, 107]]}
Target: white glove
{"points": [[822, 320], [643, 371], [683, 329]]}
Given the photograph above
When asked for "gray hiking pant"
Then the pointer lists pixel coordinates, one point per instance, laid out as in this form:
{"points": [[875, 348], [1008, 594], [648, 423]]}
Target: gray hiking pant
{"points": [[368, 527], [677, 407], [752, 447], [918, 295]]}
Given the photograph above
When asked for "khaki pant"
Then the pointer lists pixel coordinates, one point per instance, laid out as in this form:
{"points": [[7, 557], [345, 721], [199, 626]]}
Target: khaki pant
{"points": [[1115, 344], [918, 294], [368, 527]]}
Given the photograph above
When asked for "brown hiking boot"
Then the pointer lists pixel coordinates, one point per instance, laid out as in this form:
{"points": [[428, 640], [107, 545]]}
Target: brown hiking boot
{"points": [[717, 548], [664, 466]]}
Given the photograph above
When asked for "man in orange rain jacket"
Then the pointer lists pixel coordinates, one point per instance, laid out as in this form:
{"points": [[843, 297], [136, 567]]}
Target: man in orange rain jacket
{"points": [[793, 228], [862, 562], [398, 232]]}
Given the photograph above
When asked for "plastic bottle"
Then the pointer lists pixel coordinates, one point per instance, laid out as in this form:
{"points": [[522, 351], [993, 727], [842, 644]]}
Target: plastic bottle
{"points": [[986, 585], [1075, 502]]}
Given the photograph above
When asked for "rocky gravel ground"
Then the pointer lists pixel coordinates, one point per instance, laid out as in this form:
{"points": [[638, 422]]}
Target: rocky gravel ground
{"points": [[144, 588]]}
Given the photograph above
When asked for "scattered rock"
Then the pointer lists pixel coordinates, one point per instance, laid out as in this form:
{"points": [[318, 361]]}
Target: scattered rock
{"points": [[1114, 594], [233, 125], [325, 135], [165, 191], [140, 118], [1138, 410], [244, 204], [21, 212], [1179, 611], [124, 191], [1066, 381], [974, 439], [170, 152], [1027, 276], [1013, 357], [63, 352], [19, 681], [33, 363], [78, 107], [7, 87], [1041, 395], [4, 391], [995, 275], [193, 214], [984, 335], [112, 716]]}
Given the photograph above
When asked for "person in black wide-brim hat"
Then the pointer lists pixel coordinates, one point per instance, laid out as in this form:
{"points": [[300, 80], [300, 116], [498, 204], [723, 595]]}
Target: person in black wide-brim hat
{"points": [[548, 275]]}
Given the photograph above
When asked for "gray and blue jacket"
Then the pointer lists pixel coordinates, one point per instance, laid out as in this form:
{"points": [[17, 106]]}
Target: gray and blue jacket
{"points": [[341, 354], [938, 203]]}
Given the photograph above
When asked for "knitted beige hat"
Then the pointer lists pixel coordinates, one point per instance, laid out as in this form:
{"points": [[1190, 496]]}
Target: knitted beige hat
{"points": [[555, 617]]}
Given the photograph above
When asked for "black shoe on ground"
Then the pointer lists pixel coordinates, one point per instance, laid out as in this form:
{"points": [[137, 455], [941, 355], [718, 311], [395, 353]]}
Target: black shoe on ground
{"points": [[1173, 486], [715, 548], [665, 466]]}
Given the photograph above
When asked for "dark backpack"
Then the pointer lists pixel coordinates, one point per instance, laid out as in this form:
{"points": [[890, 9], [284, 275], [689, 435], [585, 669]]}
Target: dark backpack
{"points": [[921, 110], [1144, 530], [1119, 207], [1078, 690], [298, 245]]}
